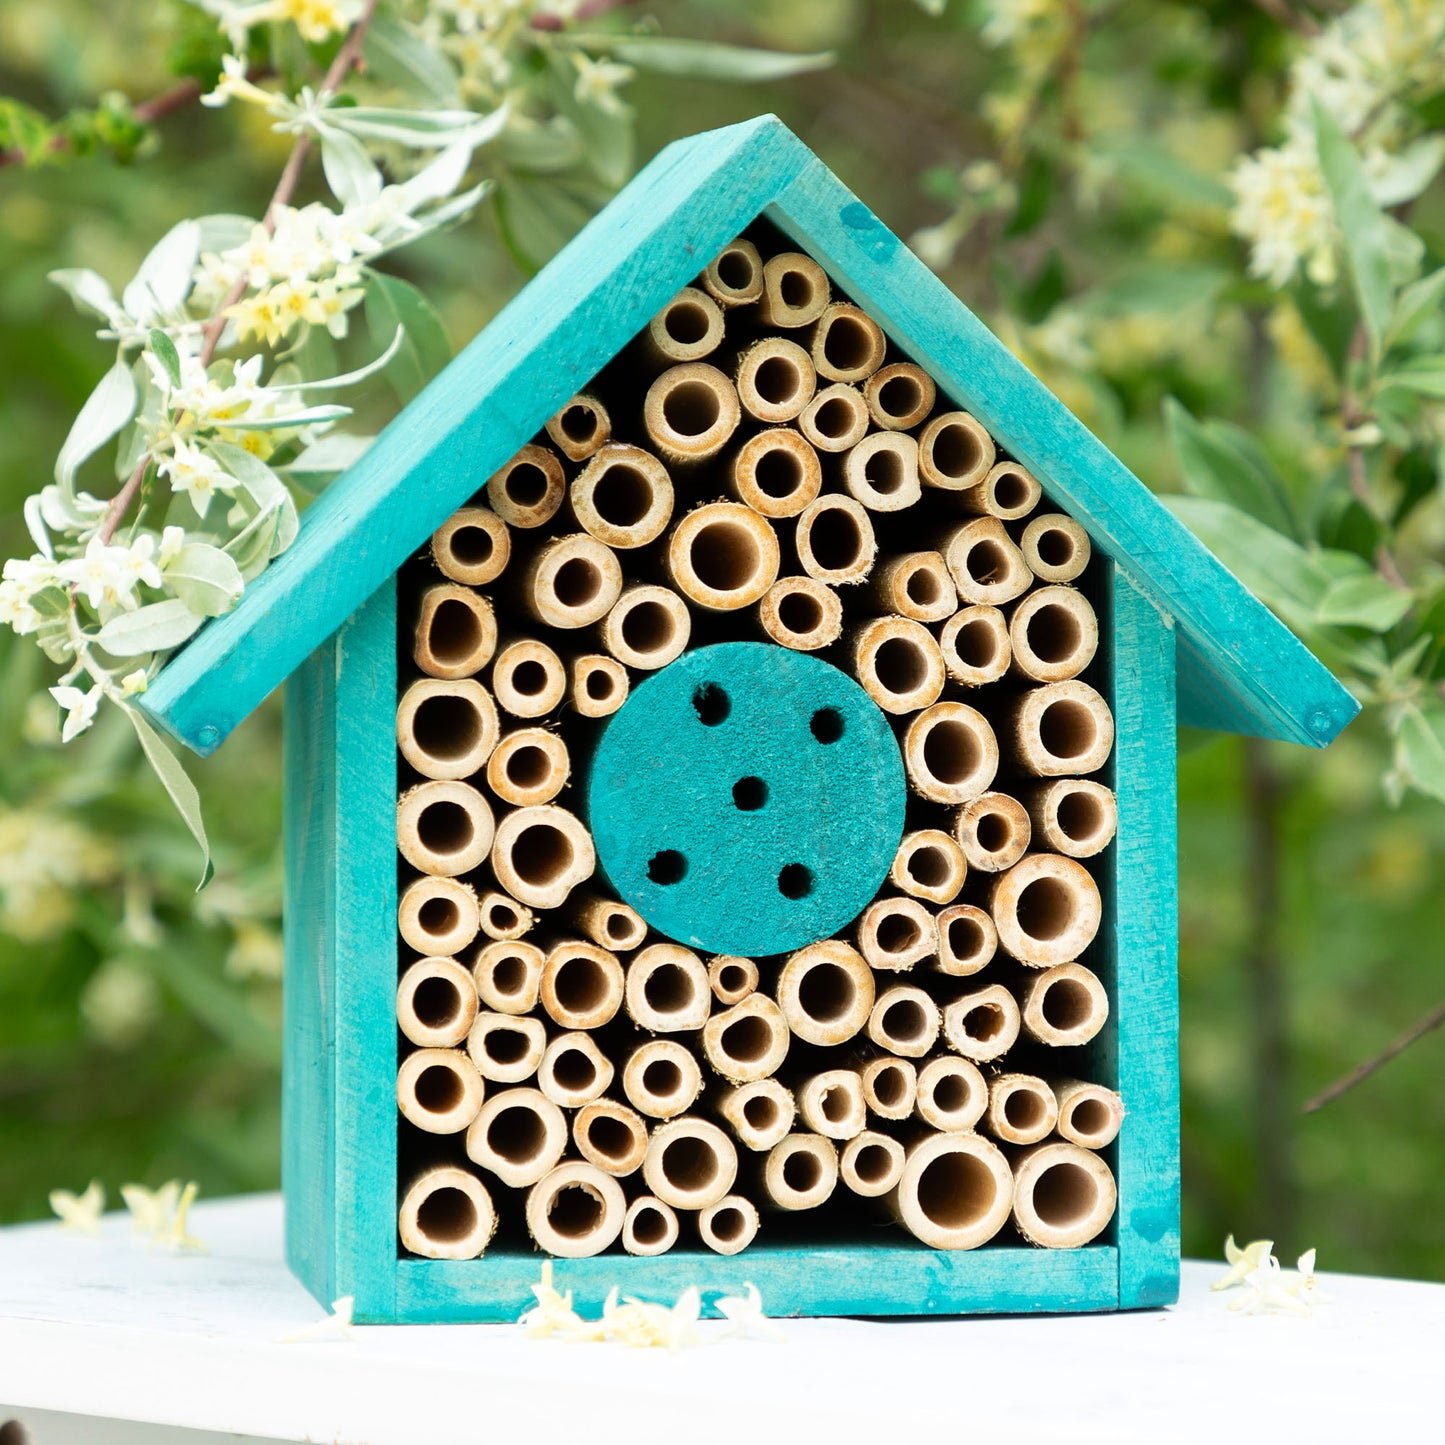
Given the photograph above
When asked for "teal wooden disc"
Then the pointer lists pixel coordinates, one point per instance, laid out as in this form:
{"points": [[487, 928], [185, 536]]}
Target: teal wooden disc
{"points": [[747, 799]]}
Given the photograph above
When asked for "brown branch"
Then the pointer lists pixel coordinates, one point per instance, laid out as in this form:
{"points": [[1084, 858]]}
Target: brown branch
{"points": [[1359, 1074], [1282, 11]]}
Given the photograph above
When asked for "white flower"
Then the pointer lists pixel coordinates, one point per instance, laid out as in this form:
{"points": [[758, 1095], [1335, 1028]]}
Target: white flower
{"points": [[16, 610], [597, 82], [103, 576], [79, 708], [336, 1325], [553, 1313], [134, 682], [174, 1235], [1282, 209], [141, 561], [1265, 1290], [172, 540], [80, 1212], [151, 1209], [744, 1314], [190, 470], [233, 84], [1241, 1261]]}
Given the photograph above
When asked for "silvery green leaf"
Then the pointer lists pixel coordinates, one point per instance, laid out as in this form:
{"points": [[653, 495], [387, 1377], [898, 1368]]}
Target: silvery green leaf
{"points": [[700, 59], [397, 55], [63, 512], [333, 453], [253, 547], [53, 639], [164, 349], [540, 146], [393, 304], [1363, 600], [1418, 302], [205, 579], [423, 130], [35, 525], [1227, 464], [1395, 179], [308, 416], [352, 175], [259, 486], [156, 627], [174, 780], [347, 378], [1420, 748], [224, 232], [164, 278], [135, 437], [88, 290], [437, 179], [106, 410]]}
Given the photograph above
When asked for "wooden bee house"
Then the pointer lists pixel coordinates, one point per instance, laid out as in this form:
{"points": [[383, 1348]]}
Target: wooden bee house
{"points": [[730, 792]]}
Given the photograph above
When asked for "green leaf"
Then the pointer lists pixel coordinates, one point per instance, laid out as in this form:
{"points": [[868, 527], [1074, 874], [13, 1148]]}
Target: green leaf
{"points": [[397, 55], [107, 409], [164, 349], [262, 492], [1424, 375], [181, 789], [700, 59], [205, 579], [1365, 600], [537, 218], [332, 454], [1419, 301], [605, 133], [1224, 463], [156, 627], [1420, 748], [542, 147], [424, 350]]}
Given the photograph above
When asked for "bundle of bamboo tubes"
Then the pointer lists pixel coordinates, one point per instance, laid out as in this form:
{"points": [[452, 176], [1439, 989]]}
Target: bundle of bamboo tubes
{"points": [[759, 464]]}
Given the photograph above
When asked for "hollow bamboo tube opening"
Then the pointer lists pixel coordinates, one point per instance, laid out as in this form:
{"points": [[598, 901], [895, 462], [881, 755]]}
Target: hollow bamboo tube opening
{"points": [[573, 1071], [1008, 491], [825, 992], [955, 1191], [688, 328], [611, 1136], [438, 916], [975, 645], [575, 1210], [1089, 1114], [881, 471], [1054, 634], [896, 933], [800, 1171], [623, 497], [506, 1048], [917, 586], [527, 678], [748, 1041], [1056, 548], [472, 546], [967, 940], [835, 540], [955, 452], [529, 489], [730, 1225], [836, 419], [503, 918], [985, 564], [831, 1104], [1074, 816], [899, 396], [650, 1226], [508, 976], [929, 865], [723, 556], [599, 685], [735, 275], [890, 1087], [1065, 1005], [801, 613], [952, 1094], [580, 428], [848, 344], [1062, 728], [759, 1113], [950, 752], [1047, 909], [776, 472], [1063, 1195], [648, 627], [690, 1163], [456, 632], [871, 1164], [439, 1090], [572, 582], [446, 730], [795, 290], [443, 828], [993, 831], [540, 854], [519, 1136], [528, 767], [775, 380], [582, 985], [731, 978], [898, 663], [1021, 1109], [436, 1002], [607, 923], [661, 1078], [905, 1021], [690, 411], [667, 989], [446, 1213], [982, 1025]]}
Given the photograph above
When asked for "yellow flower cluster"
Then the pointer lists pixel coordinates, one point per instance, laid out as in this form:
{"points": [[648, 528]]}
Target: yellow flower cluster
{"points": [[271, 314]]}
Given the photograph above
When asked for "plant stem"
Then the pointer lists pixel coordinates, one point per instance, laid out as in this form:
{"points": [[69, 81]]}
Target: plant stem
{"points": [[1361, 1072]]}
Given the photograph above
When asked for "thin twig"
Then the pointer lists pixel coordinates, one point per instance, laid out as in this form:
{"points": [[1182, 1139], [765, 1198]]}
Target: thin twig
{"points": [[1301, 22], [1353, 415], [1358, 1075]]}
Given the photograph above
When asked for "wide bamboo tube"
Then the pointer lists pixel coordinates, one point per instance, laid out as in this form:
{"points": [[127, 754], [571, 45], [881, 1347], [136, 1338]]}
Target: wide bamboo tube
{"points": [[847, 343], [1021, 1109], [950, 752], [871, 1164], [775, 380], [1062, 728], [528, 767], [967, 940], [800, 1171], [582, 985], [580, 428], [1054, 634], [899, 396], [1089, 1114], [623, 497], [1074, 816], [650, 1226], [599, 685], [955, 452], [438, 916], [446, 1213], [575, 1210], [456, 631], [728, 1226], [528, 679], [540, 854], [975, 645], [607, 923], [982, 1025], [731, 978], [836, 419], [795, 290], [503, 918], [518, 1136], [611, 1136], [985, 564], [735, 275], [446, 730], [1047, 910], [825, 992], [472, 546], [929, 865], [723, 556], [439, 1090], [667, 989], [572, 582], [801, 613], [690, 411], [993, 832], [831, 1104], [955, 1191], [574, 1071], [835, 540], [905, 1021], [506, 1048], [1008, 491], [1065, 1005], [648, 627], [1063, 1195], [952, 1094], [508, 976], [661, 1078], [436, 1002], [688, 328], [881, 471], [759, 1113], [1056, 547], [896, 933], [443, 828], [890, 1087], [690, 1163], [775, 472], [898, 663], [915, 585], [529, 489], [748, 1041]]}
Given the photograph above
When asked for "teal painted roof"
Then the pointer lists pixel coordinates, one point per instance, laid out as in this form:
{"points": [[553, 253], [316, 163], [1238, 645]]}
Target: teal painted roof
{"points": [[1240, 669]]}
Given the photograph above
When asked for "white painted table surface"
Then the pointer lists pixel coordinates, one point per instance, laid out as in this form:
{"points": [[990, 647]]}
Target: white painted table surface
{"points": [[106, 1331]]}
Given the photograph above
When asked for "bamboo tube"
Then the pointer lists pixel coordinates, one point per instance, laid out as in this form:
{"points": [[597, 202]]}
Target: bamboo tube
{"points": [[439, 1090], [735, 275], [759, 1113], [730, 1225], [835, 540], [527, 678], [1056, 548], [472, 546], [975, 645], [575, 1211], [1062, 728], [506, 1048], [831, 1104], [529, 489], [993, 831], [623, 497], [611, 1136], [648, 627], [446, 1213], [1046, 908], [905, 1021], [1021, 1109], [1008, 491], [1063, 1195], [982, 1025], [801, 613], [456, 631], [775, 380], [519, 1136], [795, 290], [436, 1002], [899, 396], [955, 452], [580, 428], [581, 986], [881, 471], [952, 1094], [574, 1071], [950, 752], [572, 582], [985, 565], [690, 411], [1089, 1114], [688, 328], [955, 1191], [661, 1078], [848, 344], [690, 1163], [731, 978], [747, 1042], [825, 992], [438, 916], [917, 586], [650, 1226], [896, 933], [1065, 1005], [967, 940], [929, 865], [775, 472], [836, 419], [1074, 816], [607, 923], [871, 1164], [667, 989], [541, 854], [444, 828], [509, 976], [898, 663], [503, 918], [528, 767], [800, 1171], [723, 556], [1054, 634], [446, 730], [890, 1087], [599, 685]]}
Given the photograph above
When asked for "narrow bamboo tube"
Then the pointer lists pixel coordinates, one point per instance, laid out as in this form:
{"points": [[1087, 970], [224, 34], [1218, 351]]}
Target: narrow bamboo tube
{"points": [[825, 992], [890, 1087], [967, 940], [1056, 547], [436, 1002], [759, 1113], [985, 564], [528, 767], [800, 1171], [575, 1211], [982, 1025], [1063, 1195], [690, 411], [529, 489], [905, 1021], [748, 1041], [929, 865], [735, 275], [650, 1226], [438, 916], [775, 472], [574, 1071], [899, 396], [1046, 908], [950, 752], [528, 679], [1089, 1114], [731, 978], [508, 976], [667, 989], [688, 328], [540, 854], [661, 1078], [955, 452], [446, 1213], [896, 933], [775, 380], [611, 1136], [519, 1136], [1054, 634], [952, 1094], [456, 631], [831, 1104], [439, 1090], [871, 1164], [1065, 1005], [472, 546], [723, 556], [975, 645], [648, 627], [503, 918], [1061, 729], [881, 471], [690, 1163], [582, 985], [898, 663], [443, 828], [572, 582], [1021, 1109], [607, 923], [446, 730], [801, 613], [1074, 816], [599, 685], [847, 344], [580, 428], [795, 290], [835, 540], [730, 1225], [836, 419], [623, 497], [915, 585], [955, 1191], [1008, 491], [506, 1048], [993, 831]]}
